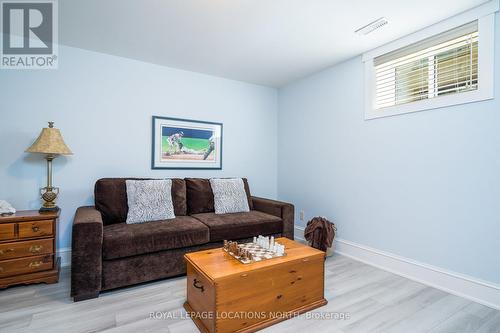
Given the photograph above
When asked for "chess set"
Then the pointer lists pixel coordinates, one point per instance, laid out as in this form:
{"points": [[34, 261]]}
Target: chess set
{"points": [[261, 248]]}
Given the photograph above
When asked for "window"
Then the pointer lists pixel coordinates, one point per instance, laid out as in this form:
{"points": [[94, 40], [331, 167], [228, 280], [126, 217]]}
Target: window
{"points": [[447, 64], [444, 64]]}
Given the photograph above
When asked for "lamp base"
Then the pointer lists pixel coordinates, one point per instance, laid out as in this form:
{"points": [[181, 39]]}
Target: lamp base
{"points": [[51, 209], [49, 196]]}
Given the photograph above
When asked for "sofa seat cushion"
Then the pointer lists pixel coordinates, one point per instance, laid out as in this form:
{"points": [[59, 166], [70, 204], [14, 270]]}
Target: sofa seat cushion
{"points": [[124, 240], [240, 225]]}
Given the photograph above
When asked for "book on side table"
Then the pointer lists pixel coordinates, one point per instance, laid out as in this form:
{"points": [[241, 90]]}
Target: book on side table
{"points": [[224, 295]]}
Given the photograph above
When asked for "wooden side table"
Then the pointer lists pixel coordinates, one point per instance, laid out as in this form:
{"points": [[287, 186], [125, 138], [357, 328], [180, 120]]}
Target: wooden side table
{"points": [[28, 248]]}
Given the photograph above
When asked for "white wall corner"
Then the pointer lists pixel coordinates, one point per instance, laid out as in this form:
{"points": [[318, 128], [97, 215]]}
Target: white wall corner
{"points": [[483, 292]]}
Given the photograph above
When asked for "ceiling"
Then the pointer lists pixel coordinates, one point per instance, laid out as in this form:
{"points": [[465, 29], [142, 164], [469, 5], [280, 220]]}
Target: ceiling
{"points": [[267, 42]]}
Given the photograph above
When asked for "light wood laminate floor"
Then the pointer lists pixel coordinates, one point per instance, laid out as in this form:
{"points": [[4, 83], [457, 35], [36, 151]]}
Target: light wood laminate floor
{"points": [[375, 300]]}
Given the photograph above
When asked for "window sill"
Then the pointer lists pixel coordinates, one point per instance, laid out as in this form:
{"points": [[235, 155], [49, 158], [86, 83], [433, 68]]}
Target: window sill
{"points": [[429, 104]]}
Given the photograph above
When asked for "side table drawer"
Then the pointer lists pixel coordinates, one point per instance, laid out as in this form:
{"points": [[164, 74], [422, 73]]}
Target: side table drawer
{"points": [[26, 249], [7, 231], [36, 229], [25, 265]]}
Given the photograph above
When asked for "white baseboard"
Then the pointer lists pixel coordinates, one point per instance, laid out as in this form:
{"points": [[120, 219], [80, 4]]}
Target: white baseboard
{"points": [[65, 254], [299, 234], [483, 292]]}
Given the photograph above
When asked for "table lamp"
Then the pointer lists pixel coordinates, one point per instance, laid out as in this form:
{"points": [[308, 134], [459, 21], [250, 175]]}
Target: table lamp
{"points": [[50, 143]]}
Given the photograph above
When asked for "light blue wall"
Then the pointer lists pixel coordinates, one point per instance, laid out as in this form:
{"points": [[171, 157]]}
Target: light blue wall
{"points": [[103, 106], [424, 186]]}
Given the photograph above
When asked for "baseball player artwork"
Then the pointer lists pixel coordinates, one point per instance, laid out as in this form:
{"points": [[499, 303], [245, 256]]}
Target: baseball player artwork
{"points": [[187, 144]]}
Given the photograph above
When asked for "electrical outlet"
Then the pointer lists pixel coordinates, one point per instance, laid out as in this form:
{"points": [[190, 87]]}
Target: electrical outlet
{"points": [[302, 215]]}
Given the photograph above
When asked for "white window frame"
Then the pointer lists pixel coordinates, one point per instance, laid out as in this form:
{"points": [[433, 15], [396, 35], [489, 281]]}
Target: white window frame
{"points": [[485, 15]]}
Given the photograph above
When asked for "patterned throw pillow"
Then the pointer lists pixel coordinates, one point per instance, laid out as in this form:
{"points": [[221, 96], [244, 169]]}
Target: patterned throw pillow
{"points": [[229, 195], [149, 200]]}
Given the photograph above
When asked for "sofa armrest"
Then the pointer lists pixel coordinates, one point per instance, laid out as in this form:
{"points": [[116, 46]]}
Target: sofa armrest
{"points": [[86, 253], [283, 210]]}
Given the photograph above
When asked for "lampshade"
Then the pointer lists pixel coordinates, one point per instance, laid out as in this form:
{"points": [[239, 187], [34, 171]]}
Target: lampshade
{"points": [[50, 141]]}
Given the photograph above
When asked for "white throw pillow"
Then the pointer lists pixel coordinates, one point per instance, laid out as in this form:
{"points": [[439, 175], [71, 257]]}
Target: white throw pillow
{"points": [[229, 195], [149, 200]]}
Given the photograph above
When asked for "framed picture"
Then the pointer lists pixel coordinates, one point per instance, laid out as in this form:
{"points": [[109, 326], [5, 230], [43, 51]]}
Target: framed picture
{"points": [[186, 144]]}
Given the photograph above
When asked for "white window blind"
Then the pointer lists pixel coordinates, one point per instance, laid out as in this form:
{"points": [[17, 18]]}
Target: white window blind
{"points": [[440, 65]]}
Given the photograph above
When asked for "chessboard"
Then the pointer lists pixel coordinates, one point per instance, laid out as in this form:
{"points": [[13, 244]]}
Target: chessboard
{"points": [[258, 253]]}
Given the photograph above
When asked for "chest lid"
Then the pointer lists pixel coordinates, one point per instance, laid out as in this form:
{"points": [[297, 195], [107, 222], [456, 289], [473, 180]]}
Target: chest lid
{"points": [[216, 264]]}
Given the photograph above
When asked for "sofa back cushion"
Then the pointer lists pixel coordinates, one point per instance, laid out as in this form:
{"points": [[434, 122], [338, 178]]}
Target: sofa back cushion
{"points": [[200, 198], [229, 195], [149, 200], [111, 198]]}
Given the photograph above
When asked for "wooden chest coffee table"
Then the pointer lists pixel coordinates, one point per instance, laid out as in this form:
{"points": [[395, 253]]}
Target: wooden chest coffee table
{"points": [[224, 295]]}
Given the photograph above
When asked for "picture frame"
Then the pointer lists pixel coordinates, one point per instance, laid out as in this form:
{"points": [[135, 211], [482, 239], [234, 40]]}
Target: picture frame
{"points": [[186, 144]]}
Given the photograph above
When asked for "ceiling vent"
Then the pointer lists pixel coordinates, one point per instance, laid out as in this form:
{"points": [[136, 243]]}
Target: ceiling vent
{"points": [[370, 27]]}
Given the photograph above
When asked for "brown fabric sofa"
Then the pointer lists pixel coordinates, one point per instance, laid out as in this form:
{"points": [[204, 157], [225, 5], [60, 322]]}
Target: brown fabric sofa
{"points": [[107, 253]]}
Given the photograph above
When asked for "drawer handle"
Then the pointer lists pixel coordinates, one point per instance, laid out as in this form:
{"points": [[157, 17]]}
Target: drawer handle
{"points": [[305, 259], [244, 275], [35, 248], [6, 251], [35, 264], [200, 286], [35, 228]]}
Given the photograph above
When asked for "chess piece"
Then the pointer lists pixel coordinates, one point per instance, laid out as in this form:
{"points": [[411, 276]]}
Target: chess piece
{"points": [[260, 241], [244, 255]]}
